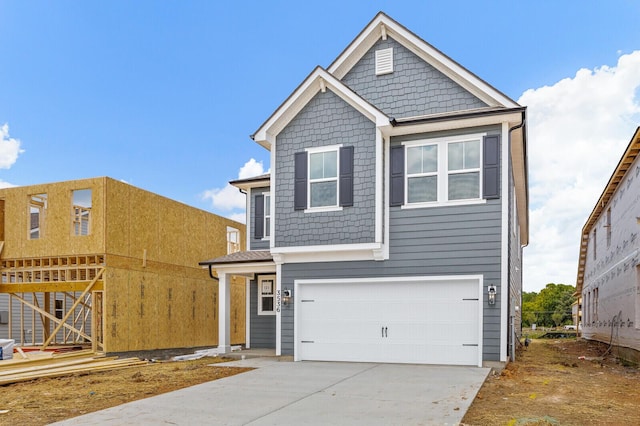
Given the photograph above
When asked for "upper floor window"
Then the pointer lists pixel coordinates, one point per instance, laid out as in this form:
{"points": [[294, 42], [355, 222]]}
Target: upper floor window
{"points": [[81, 211], [443, 170], [37, 214], [267, 216], [323, 178], [233, 240], [595, 251]]}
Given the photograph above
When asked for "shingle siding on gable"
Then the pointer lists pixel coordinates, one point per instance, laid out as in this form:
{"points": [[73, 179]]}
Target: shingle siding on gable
{"points": [[414, 88], [326, 120]]}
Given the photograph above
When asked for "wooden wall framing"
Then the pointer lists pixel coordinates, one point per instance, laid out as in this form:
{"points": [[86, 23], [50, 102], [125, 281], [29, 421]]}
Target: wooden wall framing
{"points": [[152, 294]]}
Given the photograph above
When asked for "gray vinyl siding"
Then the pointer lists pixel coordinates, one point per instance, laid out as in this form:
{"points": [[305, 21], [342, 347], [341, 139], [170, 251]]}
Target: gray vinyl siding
{"points": [[326, 120], [256, 244], [414, 88], [515, 268], [263, 327], [457, 240]]}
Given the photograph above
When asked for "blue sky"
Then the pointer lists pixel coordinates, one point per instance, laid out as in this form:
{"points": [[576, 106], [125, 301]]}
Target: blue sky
{"points": [[164, 94]]}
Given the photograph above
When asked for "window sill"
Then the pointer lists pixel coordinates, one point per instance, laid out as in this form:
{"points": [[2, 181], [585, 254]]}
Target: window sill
{"points": [[444, 204], [266, 314], [323, 209]]}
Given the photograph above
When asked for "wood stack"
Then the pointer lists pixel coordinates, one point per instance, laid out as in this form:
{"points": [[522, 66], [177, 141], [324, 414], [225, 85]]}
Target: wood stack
{"points": [[34, 365]]}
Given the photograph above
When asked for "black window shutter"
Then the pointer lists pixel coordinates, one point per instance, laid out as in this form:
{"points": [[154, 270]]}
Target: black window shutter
{"points": [[300, 184], [258, 227], [346, 176], [396, 197], [491, 167]]}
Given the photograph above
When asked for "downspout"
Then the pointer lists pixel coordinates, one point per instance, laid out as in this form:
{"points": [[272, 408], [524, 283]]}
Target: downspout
{"points": [[513, 314], [211, 274]]}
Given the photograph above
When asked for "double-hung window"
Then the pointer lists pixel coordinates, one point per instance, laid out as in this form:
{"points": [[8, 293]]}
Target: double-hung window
{"points": [[323, 178], [267, 216], [463, 168], [443, 170]]}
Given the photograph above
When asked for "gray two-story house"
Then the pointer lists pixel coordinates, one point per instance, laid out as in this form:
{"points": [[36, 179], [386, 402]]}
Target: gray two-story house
{"points": [[391, 225]]}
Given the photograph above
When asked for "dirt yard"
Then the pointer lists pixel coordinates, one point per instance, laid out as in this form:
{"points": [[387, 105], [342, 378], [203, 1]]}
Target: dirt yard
{"points": [[43, 401], [551, 384], [548, 385]]}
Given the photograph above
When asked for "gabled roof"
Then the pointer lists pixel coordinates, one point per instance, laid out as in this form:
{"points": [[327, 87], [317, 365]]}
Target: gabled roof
{"points": [[318, 81], [382, 26], [630, 154]]}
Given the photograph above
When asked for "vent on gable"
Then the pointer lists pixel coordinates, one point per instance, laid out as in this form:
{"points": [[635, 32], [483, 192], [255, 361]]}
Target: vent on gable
{"points": [[384, 61]]}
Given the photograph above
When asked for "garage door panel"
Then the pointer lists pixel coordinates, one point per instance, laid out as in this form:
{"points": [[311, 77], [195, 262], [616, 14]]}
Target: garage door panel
{"points": [[413, 322]]}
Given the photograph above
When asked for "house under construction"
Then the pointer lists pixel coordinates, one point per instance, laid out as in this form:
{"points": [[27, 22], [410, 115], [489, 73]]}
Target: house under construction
{"points": [[100, 262]]}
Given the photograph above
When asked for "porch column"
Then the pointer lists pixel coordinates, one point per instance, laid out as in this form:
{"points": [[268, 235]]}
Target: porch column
{"points": [[224, 312]]}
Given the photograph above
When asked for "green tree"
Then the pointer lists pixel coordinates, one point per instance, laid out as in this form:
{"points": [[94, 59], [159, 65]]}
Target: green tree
{"points": [[550, 307]]}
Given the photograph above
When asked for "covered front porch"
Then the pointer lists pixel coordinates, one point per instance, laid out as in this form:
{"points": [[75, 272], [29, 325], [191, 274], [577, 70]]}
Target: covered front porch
{"points": [[263, 298]]}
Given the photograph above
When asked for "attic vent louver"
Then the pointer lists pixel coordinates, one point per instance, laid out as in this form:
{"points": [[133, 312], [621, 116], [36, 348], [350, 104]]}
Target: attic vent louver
{"points": [[384, 61]]}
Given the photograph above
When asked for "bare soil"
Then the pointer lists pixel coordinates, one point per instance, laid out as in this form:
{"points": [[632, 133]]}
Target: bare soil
{"points": [[549, 384], [560, 382], [47, 400]]}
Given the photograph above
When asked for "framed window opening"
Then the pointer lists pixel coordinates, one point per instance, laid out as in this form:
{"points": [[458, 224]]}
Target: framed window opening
{"points": [[37, 215], [266, 295], [233, 240], [267, 216], [323, 183], [443, 171], [81, 204]]}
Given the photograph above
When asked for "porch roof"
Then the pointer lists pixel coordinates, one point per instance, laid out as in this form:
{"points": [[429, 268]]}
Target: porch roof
{"points": [[252, 256]]}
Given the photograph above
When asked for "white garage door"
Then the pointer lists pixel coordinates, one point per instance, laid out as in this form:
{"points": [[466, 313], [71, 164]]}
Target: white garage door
{"points": [[400, 321]]}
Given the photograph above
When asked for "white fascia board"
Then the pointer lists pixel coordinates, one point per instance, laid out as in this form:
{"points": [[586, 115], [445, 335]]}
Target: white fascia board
{"points": [[246, 269], [247, 227], [272, 190], [328, 253], [436, 126], [519, 161], [317, 81], [422, 49], [379, 183]]}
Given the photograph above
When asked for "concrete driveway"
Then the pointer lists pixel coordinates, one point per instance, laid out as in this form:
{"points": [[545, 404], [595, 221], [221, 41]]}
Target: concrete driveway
{"points": [[322, 393]]}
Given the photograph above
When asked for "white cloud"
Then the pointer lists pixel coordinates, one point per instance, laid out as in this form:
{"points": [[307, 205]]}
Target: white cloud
{"points": [[9, 148], [4, 184], [250, 169], [229, 198], [578, 130], [238, 217]]}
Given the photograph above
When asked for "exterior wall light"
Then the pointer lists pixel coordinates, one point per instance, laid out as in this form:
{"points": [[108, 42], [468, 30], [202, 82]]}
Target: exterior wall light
{"points": [[286, 296], [491, 291]]}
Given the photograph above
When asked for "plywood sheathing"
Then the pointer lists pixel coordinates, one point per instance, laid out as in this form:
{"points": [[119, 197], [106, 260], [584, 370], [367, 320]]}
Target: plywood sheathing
{"points": [[154, 293], [57, 238]]}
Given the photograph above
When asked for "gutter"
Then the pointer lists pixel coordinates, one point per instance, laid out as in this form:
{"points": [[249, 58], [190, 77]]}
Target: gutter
{"points": [[448, 117]]}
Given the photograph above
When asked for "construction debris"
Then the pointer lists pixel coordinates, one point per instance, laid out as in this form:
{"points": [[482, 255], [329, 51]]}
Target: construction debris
{"points": [[213, 352], [52, 364]]}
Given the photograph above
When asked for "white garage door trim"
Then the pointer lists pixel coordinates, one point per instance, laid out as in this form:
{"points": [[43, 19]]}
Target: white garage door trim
{"points": [[391, 280]]}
